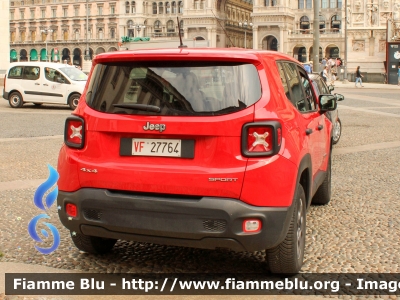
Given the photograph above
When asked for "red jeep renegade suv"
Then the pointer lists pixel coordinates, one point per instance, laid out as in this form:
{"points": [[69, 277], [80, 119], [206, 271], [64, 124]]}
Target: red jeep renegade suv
{"points": [[201, 148]]}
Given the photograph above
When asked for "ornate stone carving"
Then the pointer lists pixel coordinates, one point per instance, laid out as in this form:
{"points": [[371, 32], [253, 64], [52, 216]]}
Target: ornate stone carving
{"points": [[358, 18], [358, 46], [385, 4], [373, 14]]}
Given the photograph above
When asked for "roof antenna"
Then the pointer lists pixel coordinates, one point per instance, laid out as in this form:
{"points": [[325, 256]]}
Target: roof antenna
{"points": [[180, 37], [223, 28]]}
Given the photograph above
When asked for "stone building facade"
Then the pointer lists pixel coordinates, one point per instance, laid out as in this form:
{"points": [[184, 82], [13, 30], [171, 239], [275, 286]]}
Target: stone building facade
{"points": [[60, 26], [281, 25], [4, 32]]}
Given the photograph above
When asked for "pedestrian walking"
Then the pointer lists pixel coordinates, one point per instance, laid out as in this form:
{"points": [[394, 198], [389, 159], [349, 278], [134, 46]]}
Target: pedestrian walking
{"points": [[358, 76], [325, 74]]}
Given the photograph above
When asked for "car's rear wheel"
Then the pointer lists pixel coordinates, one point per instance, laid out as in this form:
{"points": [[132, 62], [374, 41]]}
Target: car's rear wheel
{"points": [[92, 244], [323, 194], [337, 131], [287, 257], [73, 101], [15, 99]]}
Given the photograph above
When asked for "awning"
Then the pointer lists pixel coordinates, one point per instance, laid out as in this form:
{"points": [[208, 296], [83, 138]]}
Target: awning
{"points": [[13, 54], [43, 54], [34, 54]]}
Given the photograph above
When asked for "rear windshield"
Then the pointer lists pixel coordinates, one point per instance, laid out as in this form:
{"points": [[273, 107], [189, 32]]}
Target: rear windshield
{"points": [[171, 88]]}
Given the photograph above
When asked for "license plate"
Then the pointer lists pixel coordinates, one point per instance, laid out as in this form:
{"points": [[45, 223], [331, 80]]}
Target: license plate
{"points": [[157, 147]]}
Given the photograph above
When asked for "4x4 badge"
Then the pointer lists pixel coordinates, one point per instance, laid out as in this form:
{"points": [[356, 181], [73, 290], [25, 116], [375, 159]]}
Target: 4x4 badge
{"points": [[160, 127]]}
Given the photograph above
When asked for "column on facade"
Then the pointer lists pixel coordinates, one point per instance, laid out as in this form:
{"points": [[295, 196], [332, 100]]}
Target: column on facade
{"points": [[255, 37], [71, 57], [280, 39], [213, 37], [209, 3], [209, 37], [185, 6], [185, 33], [139, 7]]}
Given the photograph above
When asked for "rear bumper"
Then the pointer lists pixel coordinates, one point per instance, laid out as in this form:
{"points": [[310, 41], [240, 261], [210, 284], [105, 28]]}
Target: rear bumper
{"points": [[5, 94], [202, 222]]}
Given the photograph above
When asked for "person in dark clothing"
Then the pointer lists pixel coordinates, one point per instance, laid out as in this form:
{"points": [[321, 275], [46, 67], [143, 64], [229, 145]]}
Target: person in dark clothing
{"points": [[358, 77]]}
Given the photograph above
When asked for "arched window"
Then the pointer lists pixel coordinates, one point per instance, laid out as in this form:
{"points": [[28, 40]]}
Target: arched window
{"points": [[309, 4], [54, 35], [65, 35], [33, 36], [170, 26], [324, 4], [174, 7], [196, 4], [77, 34], [180, 4], [154, 8], [131, 29], [101, 33], [112, 33], [181, 25], [202, 4], [301, 4], [336, 23], [133, 7], [167, 7], [157, 28], [304, 24], [127, 8], [160, 8]]}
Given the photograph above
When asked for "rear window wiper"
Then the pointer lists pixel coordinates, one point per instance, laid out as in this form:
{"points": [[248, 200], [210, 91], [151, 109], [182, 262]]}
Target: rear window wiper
{"points": [[142, 107]]}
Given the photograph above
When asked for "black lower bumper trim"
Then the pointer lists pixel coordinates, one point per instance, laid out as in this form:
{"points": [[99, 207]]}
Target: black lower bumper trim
{"points": [[203, 222]]}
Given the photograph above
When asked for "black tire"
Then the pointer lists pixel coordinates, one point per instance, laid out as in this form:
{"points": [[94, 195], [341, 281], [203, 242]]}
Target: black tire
{"points": [[92, 244], [337, 131], [287, 257], [73, 101], [15, 100], [323, 194]]}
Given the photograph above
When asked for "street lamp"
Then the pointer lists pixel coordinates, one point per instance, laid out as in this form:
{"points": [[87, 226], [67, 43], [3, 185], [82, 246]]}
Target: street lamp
{"points": [[46, 31], [244, 25], [138, 27]]}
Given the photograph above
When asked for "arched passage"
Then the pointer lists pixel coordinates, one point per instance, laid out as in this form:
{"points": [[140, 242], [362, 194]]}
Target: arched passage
{"points": [[332, 51], [100, 50], [270, 43], [34, 55], [66, 55], [23, 55], [77, 58], [112, 49], [300, 53]]}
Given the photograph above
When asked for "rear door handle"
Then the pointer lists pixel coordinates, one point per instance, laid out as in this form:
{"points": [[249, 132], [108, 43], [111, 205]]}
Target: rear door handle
{"points": [[37, 83], [320, 127], [308, 131], [45, 84]]}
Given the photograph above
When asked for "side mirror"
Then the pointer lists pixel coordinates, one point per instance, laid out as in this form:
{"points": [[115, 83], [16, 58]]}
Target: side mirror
{"points": [[339, 97], [331, 88], [327, 103]]}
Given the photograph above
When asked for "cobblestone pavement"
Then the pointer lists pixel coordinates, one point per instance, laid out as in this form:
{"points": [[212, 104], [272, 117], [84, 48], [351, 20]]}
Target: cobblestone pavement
{"points": [[357, 232]]}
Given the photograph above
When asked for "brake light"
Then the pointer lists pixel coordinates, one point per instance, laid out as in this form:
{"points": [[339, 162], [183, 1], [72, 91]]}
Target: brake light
{"points": [[71, 210], [261, 138], [74, 132]]}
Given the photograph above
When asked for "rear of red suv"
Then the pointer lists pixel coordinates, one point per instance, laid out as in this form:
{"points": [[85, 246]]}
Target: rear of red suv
{"points": [[184, 147]]}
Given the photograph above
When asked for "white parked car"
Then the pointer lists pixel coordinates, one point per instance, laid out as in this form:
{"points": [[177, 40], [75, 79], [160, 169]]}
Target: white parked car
{"points": [[43, 82]]}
